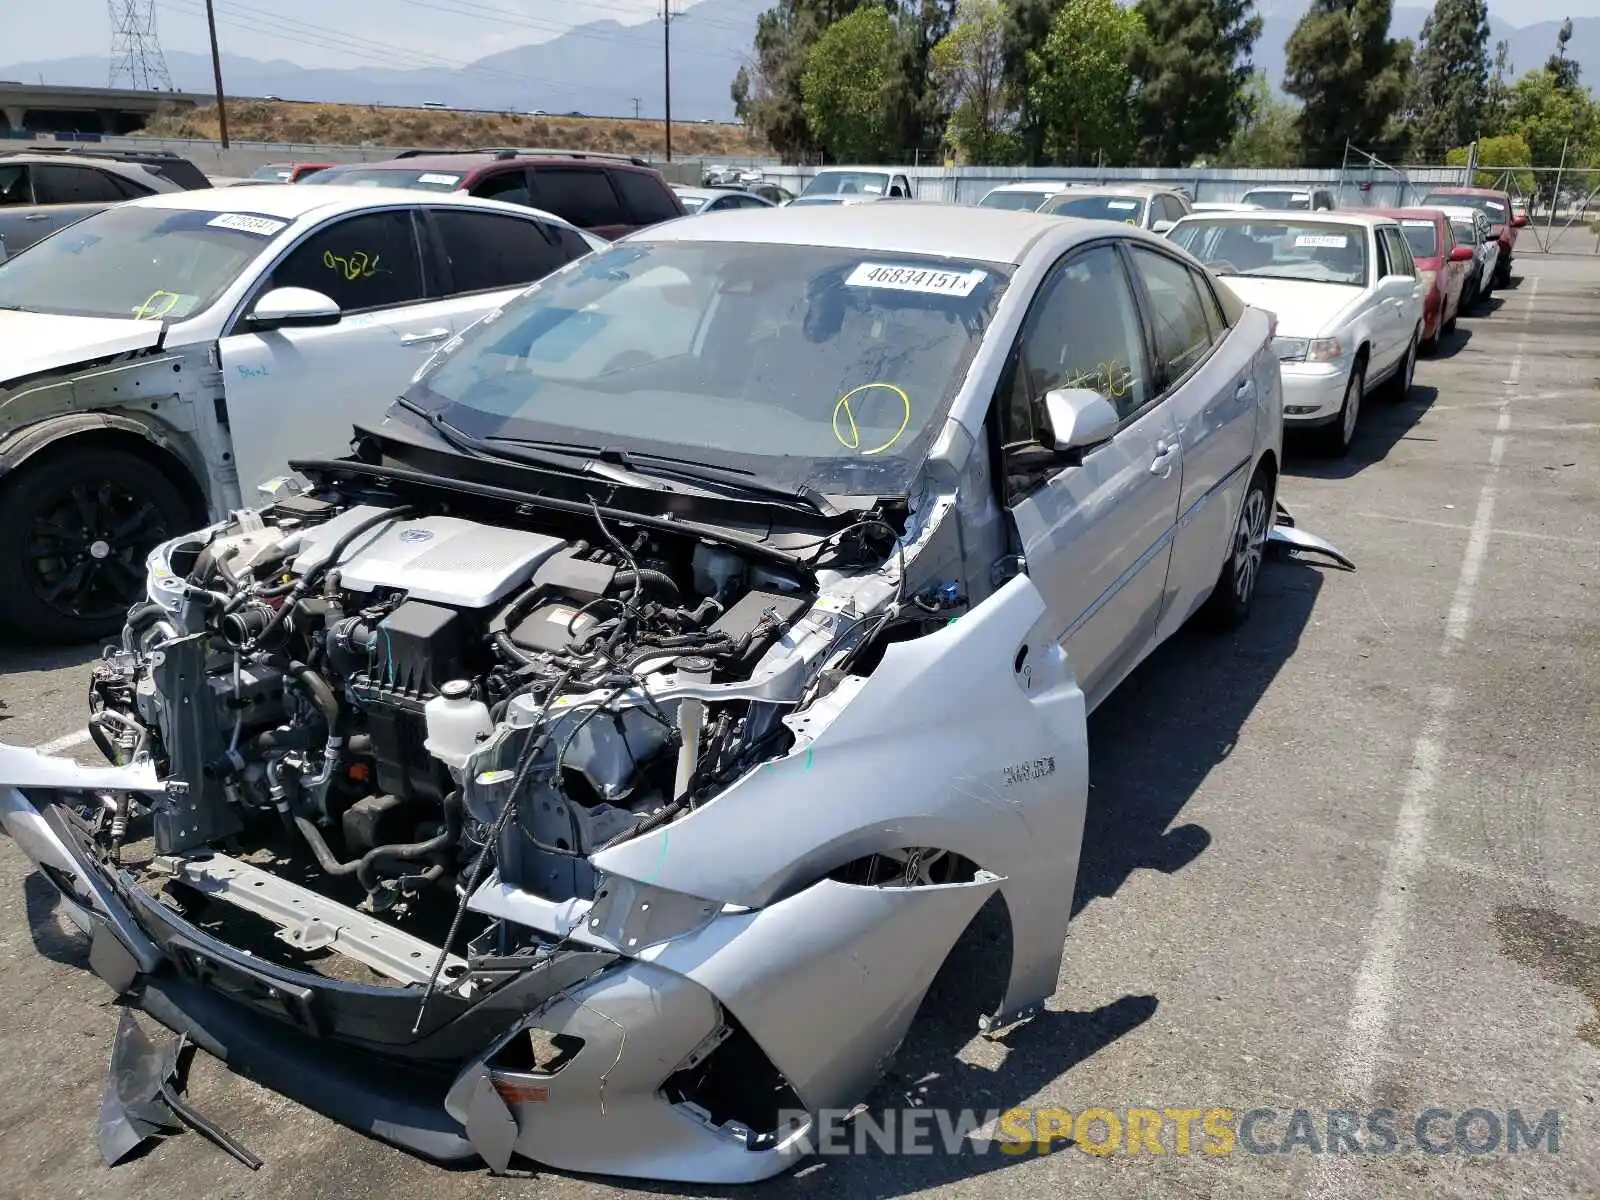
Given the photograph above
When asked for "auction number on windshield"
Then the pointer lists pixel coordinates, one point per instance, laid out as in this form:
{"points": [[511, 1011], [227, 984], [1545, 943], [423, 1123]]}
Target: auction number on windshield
{"points": [[862, 402]]}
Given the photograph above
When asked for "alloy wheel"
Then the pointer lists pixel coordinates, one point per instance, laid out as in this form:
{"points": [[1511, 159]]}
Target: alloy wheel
{"points": [[84, 548], [1249, 544]]}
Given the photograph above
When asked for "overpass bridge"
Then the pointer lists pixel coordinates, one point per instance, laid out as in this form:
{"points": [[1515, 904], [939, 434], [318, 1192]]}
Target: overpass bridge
{"points": [[27, 109]]}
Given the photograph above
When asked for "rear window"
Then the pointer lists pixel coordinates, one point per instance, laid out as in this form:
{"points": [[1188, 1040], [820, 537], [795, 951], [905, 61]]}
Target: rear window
{"points": [[645, 196], [1128, 209], [1017, 201], [185, 174], [581, 195], [1279, 199], [427, 181], [1422, 237]]}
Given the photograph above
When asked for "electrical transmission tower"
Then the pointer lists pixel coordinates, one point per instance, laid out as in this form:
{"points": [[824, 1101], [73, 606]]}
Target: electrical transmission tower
{"points": [[136, 58]]}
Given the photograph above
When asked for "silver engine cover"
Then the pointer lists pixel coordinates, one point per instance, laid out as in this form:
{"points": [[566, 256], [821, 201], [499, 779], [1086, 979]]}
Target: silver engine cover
{"points": [[443, 559]]}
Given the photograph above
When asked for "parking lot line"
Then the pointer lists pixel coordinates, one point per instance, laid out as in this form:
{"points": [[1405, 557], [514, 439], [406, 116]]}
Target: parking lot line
{"points": [[1372, 996], [1498, 531], [59, 744]]}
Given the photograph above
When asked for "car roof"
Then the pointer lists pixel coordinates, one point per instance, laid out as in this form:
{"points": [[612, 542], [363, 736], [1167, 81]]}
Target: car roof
{"points": [[1411, 213], [963, 231], [135, 170], [1049, 186], [291, 201], [1339, 216]]}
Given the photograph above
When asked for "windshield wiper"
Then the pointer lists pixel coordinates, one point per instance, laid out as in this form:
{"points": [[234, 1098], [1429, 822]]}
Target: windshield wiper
{"points": [[646, 463], [538, 456]]}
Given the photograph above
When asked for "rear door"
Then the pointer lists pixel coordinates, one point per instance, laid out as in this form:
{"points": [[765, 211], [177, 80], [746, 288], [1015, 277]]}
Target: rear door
{"points": [[582, 195], [484, 259], [1095, 528], [1206, 377], [64, 193], [297, 392]]}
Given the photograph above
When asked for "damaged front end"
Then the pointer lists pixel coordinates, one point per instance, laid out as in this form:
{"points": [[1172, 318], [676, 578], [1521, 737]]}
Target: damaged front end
{"points": [[497, 831]]}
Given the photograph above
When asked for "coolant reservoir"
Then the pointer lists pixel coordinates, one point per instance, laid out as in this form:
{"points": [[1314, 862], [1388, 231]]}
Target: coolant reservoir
{"points": [[455, 723]]}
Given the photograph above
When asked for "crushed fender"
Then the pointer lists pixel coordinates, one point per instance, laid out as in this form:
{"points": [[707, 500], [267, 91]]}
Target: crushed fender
{"points": [[1287, 535]]}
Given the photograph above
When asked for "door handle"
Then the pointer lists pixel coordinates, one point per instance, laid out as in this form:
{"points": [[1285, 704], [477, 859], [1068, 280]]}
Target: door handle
{"points": [[1245, 392], [422, 339], [36, 217], [1161, 464]]}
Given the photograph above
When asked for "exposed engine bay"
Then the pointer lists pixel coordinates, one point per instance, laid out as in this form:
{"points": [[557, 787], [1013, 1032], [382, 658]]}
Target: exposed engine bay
{"points": [[646, 831], [393, 690]]}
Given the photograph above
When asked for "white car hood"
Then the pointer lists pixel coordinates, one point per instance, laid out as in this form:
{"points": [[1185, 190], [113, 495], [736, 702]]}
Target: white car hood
{"points": [[35, 342], [1303, 309]]}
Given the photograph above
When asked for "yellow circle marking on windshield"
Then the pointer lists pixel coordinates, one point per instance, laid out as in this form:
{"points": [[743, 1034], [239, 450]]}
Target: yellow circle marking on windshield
{"points": [[158, 305], [853, 441]]}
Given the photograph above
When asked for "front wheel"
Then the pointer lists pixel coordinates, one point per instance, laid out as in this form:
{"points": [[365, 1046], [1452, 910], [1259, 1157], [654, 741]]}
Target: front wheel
{"points": [[1229, 603], [1335, 438], [75, 529]]}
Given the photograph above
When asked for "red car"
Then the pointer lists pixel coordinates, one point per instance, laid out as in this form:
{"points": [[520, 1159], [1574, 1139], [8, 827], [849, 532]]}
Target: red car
{"points": [[1441, 263], [610, 195], [1503, 217]]}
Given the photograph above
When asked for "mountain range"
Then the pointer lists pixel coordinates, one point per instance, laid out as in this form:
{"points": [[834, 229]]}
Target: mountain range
{"points": [[610, 69]]}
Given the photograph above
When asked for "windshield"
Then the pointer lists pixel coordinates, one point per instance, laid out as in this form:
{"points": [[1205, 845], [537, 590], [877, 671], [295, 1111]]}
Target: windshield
{"points": [[1494, 209], [692, 203], [817, 200], [848, 183], [1129, 209], [1422, 237], [1300, 201], [1017, 201], [1278, 249], [277, 174], [804, 364], [431, 181], [151, 263]]}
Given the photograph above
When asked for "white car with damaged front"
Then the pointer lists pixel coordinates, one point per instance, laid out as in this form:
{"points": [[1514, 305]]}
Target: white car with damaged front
{"points": [[1348, 300], [689, 656]]}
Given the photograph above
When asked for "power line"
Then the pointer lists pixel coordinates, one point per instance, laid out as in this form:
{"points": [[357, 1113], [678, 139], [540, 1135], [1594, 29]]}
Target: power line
{"points": [[135, 48], [483, 12]]}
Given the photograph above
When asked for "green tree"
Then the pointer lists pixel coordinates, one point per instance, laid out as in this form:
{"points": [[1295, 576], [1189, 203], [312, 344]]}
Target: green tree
{"points": [[1565, 70], [767, 94], [1450, 76], [1553, 120], [845, 84], [1350, 77], [1498, 90], [1497, 156], [1080, 81], [1027, 24], [968, 67], [918, 113], [1267, 136], [1191, 68]]}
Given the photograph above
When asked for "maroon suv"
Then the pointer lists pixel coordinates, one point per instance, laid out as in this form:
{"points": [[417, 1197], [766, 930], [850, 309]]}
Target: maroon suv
{"points": [[1505, 219], [608, 195]]}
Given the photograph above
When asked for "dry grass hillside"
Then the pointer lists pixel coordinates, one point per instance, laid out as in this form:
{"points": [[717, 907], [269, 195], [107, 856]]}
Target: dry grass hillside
{"points": [[355, 125]]}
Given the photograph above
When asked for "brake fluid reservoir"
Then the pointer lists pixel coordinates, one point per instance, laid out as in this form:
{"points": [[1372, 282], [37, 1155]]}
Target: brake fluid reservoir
{"points": [[455, 723]]}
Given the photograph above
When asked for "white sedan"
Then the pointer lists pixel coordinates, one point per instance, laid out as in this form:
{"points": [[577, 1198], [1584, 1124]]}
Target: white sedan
{"points": [[1347, 297], [161, 358]]}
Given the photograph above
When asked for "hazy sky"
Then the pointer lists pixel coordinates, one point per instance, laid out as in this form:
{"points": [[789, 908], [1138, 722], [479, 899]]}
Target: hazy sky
{"points": [[410, 33]]}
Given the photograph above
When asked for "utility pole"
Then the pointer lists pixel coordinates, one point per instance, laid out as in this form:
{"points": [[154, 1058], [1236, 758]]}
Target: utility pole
{"points": [[667, 17], [636, 108], [216, 71]]}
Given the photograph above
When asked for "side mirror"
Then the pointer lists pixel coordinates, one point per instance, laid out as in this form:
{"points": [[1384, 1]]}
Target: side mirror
{"points": [[1520, 220], [293, 308], [1396, 287], [1461, 254], [1161, 226], [1079, 417]]}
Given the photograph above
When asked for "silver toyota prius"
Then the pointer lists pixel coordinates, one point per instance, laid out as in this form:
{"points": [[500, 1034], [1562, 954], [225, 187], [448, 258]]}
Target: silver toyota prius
{"points": [[597, 764]]}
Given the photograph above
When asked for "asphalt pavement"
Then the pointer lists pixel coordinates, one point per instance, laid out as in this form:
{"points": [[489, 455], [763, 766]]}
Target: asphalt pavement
{"points": [[1342, 859]]}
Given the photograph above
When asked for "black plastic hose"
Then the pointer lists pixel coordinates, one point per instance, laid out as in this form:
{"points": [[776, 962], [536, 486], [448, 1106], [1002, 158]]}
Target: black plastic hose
{"points": [[321, 694], [413, 851], [309, 579]]}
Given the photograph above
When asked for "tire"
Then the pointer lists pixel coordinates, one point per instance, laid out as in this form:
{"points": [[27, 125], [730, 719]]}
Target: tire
{"points": [[1335, 438], [75, 529], [1502, 274], [1229, 604], [1398, 386], [1448, 329]]}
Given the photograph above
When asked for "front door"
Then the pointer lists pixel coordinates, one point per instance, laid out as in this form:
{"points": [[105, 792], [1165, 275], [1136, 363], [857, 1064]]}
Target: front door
{"points": [[1095, 527], [296, 393]]}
